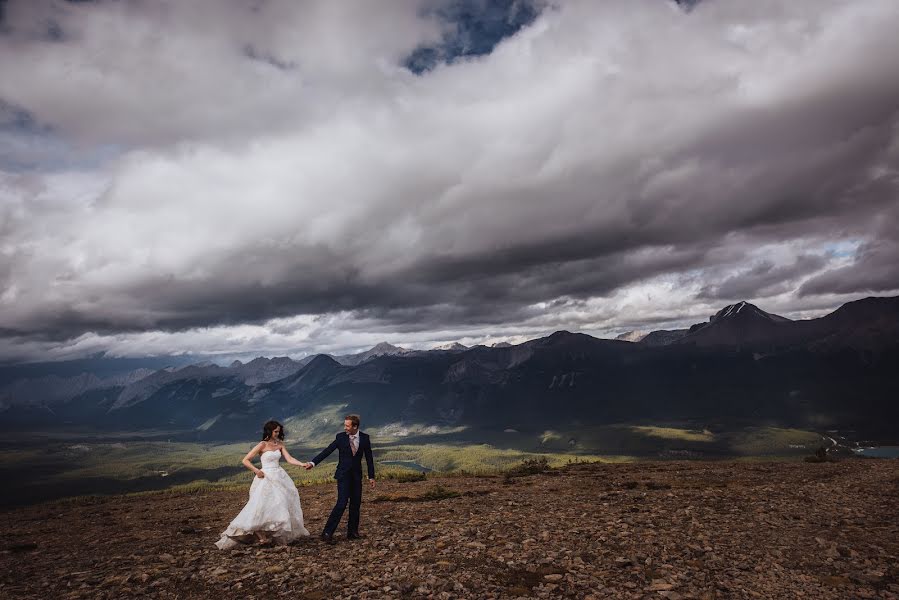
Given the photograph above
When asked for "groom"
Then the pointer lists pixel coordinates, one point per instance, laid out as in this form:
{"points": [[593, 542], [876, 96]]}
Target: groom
{"points": [[351, 445]]}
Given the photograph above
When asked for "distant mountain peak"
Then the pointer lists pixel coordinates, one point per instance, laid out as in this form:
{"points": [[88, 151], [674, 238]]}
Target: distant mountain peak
{"points": [[451, 347], [563, 337], [745, 310], [380, 349], [385, 348], [737, 324], [562, 333], [501, 345], [734, 309], [632, 336], [321, 360]]}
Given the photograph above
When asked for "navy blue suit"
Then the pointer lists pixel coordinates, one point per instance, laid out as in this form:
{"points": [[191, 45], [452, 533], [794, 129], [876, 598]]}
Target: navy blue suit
{"points": [[349, 479]]}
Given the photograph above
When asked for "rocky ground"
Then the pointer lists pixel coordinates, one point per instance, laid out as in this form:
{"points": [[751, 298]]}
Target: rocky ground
{"points": [[645, 530]]}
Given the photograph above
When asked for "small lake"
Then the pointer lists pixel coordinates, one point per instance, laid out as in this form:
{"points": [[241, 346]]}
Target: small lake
{"points": [[878, 451], [408, 464]]}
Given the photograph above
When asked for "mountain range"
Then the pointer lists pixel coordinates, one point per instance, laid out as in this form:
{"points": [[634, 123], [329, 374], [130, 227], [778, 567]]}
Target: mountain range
{"points": [[744, 365]]}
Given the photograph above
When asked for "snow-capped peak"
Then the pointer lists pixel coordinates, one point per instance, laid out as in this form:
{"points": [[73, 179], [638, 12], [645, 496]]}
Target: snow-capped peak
{"points": [[632, 336], [744, 309], [734, 309], [451, 347]]}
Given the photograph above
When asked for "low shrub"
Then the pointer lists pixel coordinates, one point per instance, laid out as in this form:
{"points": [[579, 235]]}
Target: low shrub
{"points": [[820, 456], [408, 477], [438, 493], [529, 466]]}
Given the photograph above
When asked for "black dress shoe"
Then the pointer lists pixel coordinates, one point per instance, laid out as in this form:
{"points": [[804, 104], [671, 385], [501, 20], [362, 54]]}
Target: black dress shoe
{"points": [[354, 536], [327, 537]]}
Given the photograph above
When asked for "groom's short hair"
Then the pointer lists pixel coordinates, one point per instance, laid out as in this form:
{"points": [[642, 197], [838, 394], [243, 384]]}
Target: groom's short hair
{"points": [[353, 418]]}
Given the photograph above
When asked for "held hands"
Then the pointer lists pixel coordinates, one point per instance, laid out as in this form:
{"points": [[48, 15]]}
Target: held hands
{"points": [[307, 466]]}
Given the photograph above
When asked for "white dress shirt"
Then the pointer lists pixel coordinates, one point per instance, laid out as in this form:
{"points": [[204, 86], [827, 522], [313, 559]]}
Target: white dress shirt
{"points": [[354, 441]]}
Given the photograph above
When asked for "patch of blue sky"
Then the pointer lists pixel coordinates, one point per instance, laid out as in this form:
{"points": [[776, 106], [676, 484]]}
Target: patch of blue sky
{"points": [[472, 28], [47, 152], [687, 4], [475, 27], [26, 145], [842, 248]]}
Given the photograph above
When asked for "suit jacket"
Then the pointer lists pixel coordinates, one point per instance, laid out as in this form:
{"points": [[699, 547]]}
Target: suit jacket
{"points": [[347, 464]]}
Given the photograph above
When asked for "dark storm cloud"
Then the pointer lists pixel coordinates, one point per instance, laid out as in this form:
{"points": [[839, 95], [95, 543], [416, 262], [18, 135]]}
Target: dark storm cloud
{"points": [[764, 279], [874, 270], [425, 294], [283, 178]]}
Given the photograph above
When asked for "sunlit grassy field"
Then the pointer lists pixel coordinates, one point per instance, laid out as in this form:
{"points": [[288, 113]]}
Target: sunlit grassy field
{"points": [[52, 468]]}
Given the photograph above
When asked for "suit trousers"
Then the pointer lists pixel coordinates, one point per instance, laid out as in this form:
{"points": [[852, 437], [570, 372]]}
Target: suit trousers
{"points": [[349, 490]]}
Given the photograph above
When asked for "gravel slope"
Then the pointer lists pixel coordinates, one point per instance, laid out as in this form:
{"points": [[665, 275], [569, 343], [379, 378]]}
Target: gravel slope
{"points": [[643, 530]]}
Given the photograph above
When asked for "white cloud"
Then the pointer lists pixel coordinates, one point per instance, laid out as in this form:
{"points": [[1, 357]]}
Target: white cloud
{"points": [[606, 163]]}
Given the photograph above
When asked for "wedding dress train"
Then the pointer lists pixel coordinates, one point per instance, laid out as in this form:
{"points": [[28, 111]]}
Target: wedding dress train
{"points": [[273, 510]]}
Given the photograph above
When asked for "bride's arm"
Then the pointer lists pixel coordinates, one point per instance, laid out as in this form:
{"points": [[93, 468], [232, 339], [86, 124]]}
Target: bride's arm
{"points": [[291, 459], [246, 460]]}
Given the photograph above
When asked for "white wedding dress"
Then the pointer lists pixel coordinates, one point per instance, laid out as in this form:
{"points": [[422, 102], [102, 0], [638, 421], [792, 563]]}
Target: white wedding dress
{"points": [[273, 508]]}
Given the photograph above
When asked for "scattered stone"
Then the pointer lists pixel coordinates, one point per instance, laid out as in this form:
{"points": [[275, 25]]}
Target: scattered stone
{"points": [[687, 530], [657, 586]]}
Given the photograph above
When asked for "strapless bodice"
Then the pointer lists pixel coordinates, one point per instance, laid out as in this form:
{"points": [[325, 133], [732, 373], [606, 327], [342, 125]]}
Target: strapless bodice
{"points": [[270, 459]]}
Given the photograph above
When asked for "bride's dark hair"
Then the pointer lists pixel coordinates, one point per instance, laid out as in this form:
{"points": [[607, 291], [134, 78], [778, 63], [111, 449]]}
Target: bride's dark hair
{"points": [[268, 428]]}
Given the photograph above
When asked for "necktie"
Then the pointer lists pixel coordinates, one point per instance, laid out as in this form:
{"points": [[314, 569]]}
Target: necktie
{"points": [[353, 444]]}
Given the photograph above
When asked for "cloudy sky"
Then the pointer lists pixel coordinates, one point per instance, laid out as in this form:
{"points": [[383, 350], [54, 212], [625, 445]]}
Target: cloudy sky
{"points": [[286, 176]]}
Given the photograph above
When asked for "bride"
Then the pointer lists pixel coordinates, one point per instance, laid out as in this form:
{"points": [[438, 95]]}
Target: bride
{"points": [[273, 514]]}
